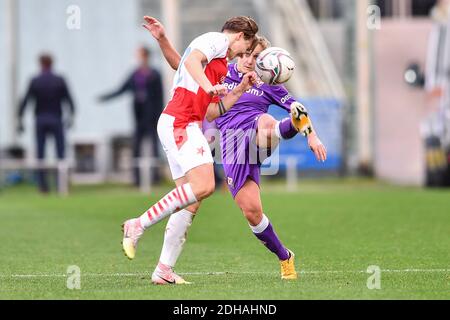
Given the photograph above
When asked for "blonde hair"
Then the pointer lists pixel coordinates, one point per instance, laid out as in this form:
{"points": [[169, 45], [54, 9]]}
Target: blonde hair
{"points": [[263, 42]]}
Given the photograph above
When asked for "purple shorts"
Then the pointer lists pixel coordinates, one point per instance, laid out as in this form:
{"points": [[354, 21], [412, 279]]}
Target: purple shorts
{"points": [[241, 157]]}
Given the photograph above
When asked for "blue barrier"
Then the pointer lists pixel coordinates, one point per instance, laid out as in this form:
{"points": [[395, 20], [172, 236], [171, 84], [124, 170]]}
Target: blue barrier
{"points": [[327, 117]]}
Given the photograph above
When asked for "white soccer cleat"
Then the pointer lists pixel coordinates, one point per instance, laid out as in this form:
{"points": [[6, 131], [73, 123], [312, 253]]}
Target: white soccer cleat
{"points": [[164, 275], [132, 232]]}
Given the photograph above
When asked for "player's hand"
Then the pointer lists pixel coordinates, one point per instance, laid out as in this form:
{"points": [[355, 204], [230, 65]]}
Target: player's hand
{"points": [[317, 147], [69, 122], [154, 27], [249, 80], [218, 90]]}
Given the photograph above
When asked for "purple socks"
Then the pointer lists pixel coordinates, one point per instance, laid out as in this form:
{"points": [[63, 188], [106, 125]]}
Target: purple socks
{"points": [[286, 130], [265, 233]]}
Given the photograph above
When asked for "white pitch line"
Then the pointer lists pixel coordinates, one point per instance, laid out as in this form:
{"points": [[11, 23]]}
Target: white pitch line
{"points": [[220, 273], [326, 271]]}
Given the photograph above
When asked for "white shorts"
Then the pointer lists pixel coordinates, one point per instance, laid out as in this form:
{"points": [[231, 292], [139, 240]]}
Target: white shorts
{"points": [[186, 149]]}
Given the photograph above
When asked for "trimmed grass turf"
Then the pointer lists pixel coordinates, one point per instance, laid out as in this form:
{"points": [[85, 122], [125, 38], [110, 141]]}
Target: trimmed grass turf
{"points": [[336, 228]]}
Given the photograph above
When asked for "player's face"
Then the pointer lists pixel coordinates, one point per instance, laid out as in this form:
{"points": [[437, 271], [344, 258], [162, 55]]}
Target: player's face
{"points": [[239, 47], [247, 62], [142, 56]]}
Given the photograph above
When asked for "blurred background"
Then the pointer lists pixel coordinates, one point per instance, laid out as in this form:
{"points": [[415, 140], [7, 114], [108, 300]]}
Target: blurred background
{"points": [[374, 74]]}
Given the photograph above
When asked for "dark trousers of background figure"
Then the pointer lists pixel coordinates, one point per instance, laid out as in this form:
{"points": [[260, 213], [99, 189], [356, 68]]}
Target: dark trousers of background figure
{"points": [[139, 135], [46, 128], [218, 172]]}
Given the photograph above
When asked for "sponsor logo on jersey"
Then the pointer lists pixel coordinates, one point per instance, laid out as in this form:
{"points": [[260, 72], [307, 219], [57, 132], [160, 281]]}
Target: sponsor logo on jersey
{"points": [[253, 91], [285, 98], [259, 84]]}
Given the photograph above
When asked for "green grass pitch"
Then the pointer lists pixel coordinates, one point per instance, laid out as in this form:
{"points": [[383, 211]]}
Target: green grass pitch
{"points": [[336, 228]]}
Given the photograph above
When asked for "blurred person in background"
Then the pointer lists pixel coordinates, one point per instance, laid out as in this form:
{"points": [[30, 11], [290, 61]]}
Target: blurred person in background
{"points": [[146, 86], [48, 91], [437, 85]]}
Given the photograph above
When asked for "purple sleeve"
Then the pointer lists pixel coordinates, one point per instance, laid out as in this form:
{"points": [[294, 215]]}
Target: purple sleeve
{"points": [[281, 97]]}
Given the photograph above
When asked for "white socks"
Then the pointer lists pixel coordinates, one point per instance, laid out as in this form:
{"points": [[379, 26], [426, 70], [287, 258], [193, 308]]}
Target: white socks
{"points": [[175, 237], [277, 131], [178, 198], [261, 226]]}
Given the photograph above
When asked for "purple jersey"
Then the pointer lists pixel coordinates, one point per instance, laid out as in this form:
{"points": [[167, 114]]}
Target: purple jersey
{"points": [[253, 103], [240, 155]]}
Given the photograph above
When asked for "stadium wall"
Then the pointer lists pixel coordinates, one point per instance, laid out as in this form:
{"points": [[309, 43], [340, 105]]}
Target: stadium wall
{"points": [[4, 96], [400, 109]]}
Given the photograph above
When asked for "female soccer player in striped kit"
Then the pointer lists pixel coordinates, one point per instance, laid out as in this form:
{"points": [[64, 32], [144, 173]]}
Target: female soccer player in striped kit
{"points": [[249, 114], [197, 84]]}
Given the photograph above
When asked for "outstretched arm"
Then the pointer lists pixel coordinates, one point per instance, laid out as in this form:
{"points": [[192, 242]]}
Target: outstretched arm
{"points": [[68, 98], [316, 146], [193, 62], [23, 105], [304, 125], [194, 65], [158, 32], [126, 86]]}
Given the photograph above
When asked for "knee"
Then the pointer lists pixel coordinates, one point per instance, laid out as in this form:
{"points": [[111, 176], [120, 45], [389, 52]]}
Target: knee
{"points": [[267, 123], [204, 190], [209, 189], [266, 129], [252, 213]]}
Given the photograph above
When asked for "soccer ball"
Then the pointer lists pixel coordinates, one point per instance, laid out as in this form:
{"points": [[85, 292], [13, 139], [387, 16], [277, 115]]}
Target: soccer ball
{"points": [[275, 66]]}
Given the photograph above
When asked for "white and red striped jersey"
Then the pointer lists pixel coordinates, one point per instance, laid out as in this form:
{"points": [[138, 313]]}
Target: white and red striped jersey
{"points": [[189, 102]]}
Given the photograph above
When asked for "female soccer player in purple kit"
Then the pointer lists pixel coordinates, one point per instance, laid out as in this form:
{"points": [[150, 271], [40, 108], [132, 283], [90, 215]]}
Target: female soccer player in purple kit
{"points": [[246, 129]]}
